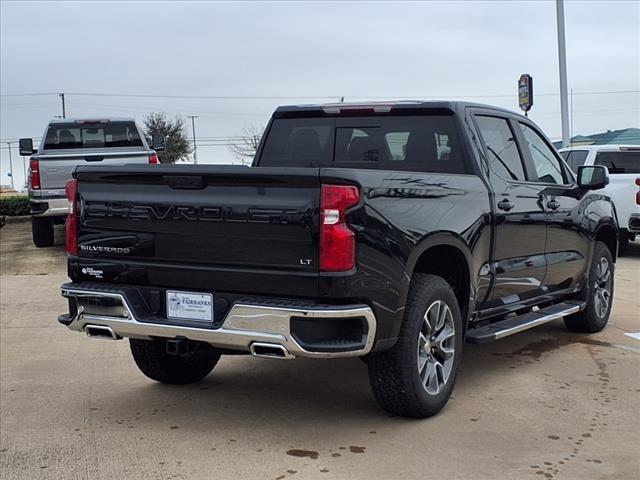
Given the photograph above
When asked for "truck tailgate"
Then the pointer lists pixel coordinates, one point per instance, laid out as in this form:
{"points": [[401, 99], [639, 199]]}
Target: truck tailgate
{"points": [[55, 168], [233, 222]]}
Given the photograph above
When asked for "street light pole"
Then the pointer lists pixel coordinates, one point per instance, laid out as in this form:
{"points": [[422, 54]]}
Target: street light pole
{"points": [[562, 63], [11, 167], [64, 107], [193, 128]]}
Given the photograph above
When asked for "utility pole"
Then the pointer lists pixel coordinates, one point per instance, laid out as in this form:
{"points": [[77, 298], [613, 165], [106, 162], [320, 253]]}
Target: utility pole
{"points": [[64, 109], [562, 63], [193, 128], [571, 123], [11, 167]]}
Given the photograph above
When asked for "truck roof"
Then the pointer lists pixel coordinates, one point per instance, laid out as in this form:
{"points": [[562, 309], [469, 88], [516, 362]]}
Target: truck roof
{"points": [[91, 119], [451, 105]]}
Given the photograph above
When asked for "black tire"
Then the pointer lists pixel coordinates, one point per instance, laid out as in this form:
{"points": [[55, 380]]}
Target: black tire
{"points": [[395, 375], [623, 242], [594, 318], [42, 232], [152, 359]]}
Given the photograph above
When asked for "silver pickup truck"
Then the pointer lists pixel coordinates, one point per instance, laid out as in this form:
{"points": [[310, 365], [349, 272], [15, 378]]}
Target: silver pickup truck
{"points": [[70, 142]]}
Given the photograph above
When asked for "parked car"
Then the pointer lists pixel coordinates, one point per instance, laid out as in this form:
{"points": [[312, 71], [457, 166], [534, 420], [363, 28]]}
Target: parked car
{"points": [[67, 143], [393, 231], [623, 162]]}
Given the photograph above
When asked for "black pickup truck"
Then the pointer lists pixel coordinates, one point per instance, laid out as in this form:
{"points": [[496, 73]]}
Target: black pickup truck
{"points": [[390, 231]]}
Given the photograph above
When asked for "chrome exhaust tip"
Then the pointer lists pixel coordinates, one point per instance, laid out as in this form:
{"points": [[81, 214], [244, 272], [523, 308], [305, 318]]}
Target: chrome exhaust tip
{"points": [[270, 350], [100, 331]]}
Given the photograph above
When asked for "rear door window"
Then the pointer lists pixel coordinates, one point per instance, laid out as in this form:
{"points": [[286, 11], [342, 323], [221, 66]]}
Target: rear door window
{"points": [[619, 162], [92, 135], [502, 150]]}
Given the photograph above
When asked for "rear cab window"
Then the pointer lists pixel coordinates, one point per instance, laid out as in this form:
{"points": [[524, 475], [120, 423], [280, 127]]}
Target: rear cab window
{"points": [[101, 134], [619, 162], [425, 143]]}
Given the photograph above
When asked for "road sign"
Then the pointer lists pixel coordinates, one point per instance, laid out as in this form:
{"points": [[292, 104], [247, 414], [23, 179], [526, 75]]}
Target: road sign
{"points": [[525, 92]]}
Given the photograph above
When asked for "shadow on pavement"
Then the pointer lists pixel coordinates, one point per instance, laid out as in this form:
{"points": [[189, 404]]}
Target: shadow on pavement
{"points": [[304, 392]]}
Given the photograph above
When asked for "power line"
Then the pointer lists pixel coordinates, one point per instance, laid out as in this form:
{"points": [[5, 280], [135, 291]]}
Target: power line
{"points": [[27, 94], [307, 97]]}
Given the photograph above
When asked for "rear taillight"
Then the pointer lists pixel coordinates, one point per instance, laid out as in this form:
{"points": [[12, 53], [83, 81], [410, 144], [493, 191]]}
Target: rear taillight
{"points": [[153, 158], [34, 174], [71, 224], [337, 241], [638, 192]]}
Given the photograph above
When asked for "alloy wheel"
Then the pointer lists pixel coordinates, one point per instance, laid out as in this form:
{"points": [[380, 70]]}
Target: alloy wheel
{"points": [[436, 347], [602, 287]]}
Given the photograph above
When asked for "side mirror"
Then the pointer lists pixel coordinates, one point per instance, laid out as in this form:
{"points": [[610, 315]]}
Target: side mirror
{"points": [[158, 142], [26, 147], [593, 177]]}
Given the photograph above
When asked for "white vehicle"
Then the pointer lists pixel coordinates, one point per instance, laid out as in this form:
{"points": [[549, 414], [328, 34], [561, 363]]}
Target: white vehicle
{"points": [[68, 143], [623, 162]]}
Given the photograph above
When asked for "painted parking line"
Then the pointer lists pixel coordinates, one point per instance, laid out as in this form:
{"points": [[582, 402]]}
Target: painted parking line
{"points": [[635, 336]]}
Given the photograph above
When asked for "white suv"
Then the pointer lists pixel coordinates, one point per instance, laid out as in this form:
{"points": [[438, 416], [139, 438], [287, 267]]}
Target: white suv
{"points": [[623, 162]]}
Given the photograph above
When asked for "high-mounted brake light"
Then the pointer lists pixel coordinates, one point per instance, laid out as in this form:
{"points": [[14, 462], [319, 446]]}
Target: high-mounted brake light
{"points": [[34, 174], [82, 122], [638, 192], [153, 158], [356, 109], [337, 241], [71, 224]]}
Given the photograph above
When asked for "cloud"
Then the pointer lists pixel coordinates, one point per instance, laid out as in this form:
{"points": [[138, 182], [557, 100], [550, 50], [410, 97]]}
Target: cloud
{"points": [[412, 49]]}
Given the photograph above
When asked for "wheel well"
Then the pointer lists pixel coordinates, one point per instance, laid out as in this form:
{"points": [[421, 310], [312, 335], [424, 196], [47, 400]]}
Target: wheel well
{"points": [[608, 236], [449, 263]]}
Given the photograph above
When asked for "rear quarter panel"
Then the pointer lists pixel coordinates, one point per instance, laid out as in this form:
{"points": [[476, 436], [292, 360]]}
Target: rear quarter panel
{"points": [[399, 216]]}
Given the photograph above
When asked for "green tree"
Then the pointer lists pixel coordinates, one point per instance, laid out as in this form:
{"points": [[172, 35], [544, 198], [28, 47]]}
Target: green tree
{"points": [[175, 134]]}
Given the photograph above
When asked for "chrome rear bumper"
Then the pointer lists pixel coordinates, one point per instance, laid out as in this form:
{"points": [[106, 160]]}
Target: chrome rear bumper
{"points": [[244, 326], [49, 207]]}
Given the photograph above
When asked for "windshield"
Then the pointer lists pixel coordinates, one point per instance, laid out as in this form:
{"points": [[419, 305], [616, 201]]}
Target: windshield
{"points": [[92, 135]]}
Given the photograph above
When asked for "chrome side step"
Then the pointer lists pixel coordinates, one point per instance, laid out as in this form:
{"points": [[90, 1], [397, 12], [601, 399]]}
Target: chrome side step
{"points": [[504, 328]]}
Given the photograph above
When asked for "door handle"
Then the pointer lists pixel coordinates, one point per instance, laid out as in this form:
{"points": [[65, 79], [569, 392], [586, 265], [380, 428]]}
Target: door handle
{"points": [[505, 205], [553, 204]]}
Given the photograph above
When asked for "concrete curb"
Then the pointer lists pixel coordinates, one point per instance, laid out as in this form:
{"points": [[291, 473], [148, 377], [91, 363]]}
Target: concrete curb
{"points": [[22, 218]]}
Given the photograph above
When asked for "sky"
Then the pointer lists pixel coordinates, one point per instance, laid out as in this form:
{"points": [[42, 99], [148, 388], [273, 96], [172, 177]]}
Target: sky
{"points": [[131, 58]]}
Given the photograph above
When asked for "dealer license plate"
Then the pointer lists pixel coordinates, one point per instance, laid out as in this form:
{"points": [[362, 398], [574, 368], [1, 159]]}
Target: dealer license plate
{"points": [[190, 306]]}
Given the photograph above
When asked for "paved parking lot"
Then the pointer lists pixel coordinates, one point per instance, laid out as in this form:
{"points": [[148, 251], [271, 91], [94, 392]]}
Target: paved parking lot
{"points": [[545, 404]]}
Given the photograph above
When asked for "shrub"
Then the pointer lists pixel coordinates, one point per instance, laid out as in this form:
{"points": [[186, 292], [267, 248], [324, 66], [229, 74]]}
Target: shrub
{"points": [[14, 206]]}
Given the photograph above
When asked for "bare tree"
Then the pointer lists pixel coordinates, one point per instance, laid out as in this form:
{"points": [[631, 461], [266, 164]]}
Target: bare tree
{"points": [[245, 145]]}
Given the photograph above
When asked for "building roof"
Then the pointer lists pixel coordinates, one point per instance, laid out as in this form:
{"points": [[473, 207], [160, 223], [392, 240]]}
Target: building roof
{"points": [[626, 136]]}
